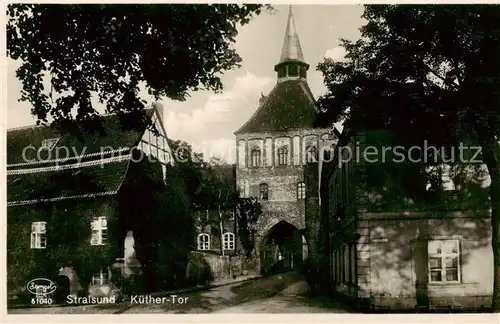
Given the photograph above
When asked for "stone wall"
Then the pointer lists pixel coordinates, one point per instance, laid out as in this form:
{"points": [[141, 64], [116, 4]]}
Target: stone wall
{"points": [[396, 254], [204, 267], [207, 222], [282, 204], [282, 181]]}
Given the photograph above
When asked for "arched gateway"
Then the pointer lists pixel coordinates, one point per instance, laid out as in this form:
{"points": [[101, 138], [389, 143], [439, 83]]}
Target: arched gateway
{"points": [[282, 247]]}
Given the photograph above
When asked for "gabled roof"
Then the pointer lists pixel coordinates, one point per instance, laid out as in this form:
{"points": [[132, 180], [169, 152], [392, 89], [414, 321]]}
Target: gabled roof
{"points": [[24, 142], [96, 166], [87, 180], [290, 105]]}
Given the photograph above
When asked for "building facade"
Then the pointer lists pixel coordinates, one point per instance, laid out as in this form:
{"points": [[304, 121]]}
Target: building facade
{"points": [[62, 206], [274, 148], [388, 249]]}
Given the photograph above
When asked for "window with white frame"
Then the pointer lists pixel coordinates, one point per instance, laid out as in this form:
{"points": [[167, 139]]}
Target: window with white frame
{"points": [[101, 278], [444, 261], [228, 241], [38, 235], [301, 190], [99, 234], [203, 242]]}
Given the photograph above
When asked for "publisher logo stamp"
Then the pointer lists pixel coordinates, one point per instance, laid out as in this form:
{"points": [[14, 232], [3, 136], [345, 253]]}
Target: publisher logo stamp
{"points": [[42, 288]]}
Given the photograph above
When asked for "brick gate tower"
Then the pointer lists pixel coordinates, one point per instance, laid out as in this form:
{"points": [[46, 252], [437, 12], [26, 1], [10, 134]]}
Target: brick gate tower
{"points": [[277, 152]]}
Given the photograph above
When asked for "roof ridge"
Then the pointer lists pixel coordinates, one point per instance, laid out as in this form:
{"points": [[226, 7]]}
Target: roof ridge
{"points": [[36, 126], [69, 158], [70, 166], [305, 86], [25, 127]]}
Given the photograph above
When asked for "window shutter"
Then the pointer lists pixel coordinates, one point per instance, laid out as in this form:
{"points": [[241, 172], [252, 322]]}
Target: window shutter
{"points": [[33, 240]]}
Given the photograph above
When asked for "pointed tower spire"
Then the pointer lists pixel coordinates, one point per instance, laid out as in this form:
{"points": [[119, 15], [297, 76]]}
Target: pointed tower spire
{"points": [[291, 45], [291, 64]]}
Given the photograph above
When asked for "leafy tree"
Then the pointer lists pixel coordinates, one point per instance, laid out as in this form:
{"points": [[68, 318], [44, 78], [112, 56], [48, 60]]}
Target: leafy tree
{"points": [[111, 49], [217, 192], [248, 211], [189, 164], [429, 69], [161, 223], [211, 185]]}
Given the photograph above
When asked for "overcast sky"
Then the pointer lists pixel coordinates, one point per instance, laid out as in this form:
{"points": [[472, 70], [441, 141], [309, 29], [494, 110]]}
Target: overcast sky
{"points": [[207, 120]]}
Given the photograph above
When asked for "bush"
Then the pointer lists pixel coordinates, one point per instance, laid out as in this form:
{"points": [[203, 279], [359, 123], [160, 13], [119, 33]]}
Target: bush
{"points": [[199, 272]]}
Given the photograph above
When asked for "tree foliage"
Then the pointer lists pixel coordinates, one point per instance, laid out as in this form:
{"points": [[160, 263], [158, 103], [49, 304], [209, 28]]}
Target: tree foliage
{"points": [[217, 191], [421, 63], [110, 50], [248, 211], [188, 163], [425, 73], [159, 215]]}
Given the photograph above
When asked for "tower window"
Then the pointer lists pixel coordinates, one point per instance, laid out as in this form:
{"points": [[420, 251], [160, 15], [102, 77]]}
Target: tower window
{"points": [[256, 157], [244, 189], [293, 70], [301, 190], [281, 72], [312, 154], [303, 72], [264, 191], [283, 155]]}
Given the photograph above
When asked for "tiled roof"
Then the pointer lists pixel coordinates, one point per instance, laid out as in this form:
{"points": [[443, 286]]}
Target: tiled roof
{"points": [[88, 180], [290, 105], [87, 173], [29, 140]]}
